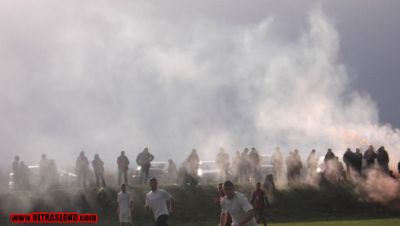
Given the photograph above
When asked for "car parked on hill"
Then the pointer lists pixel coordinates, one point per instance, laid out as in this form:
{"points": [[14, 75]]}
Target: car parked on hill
{"points": [[158, 169], [65, 178], [266, 166], [208, 171]]}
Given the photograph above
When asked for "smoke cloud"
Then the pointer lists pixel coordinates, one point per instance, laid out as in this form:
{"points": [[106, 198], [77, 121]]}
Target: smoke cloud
{"points": [[104, 77]]}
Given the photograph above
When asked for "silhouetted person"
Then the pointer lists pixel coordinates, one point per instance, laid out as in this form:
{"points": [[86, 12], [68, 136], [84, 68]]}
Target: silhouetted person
{"points": [[16, 172], [290, 168], [370, 156], [277, 164], [383, 159], [24, 174], [255, 163], [222, 160], [358, 161], [82, 169], [123, 166], [98, 167], [193, 162], [236, 165], [312, 165], [244, 166], [53, 175], [298, 165], [348, 159], [329, 156], [143, 160], [172, 171], [269, 184], [43, 171]]}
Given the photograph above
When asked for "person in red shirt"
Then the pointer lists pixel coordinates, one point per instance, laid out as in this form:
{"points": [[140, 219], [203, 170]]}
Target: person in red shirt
{"points": [[259, 201]]}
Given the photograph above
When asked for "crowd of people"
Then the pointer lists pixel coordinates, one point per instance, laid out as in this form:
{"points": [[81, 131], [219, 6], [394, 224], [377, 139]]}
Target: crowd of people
{"points": [[244, 167]]}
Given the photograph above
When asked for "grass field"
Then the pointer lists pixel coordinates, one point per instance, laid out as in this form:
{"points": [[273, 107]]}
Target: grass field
{"points": [[375, 222], [195, 206]]}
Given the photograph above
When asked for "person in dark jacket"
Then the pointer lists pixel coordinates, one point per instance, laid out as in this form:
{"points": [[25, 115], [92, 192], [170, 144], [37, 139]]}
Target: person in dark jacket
{"points": [[358, 161], [348, 159], [98, 167], [143, 160], [82, 169], [123, 166], [383, 159], [329, 156], [370, 156]]}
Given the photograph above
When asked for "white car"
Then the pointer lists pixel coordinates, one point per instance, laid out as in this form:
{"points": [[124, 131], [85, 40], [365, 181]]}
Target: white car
{"points": [[158, 169], [66, 178], [208, 171], [266, 166]]}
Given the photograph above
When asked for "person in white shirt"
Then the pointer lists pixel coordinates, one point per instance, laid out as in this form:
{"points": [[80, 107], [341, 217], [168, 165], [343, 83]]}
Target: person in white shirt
{"points": [[238, 207], [125, 206], [160, 202]]}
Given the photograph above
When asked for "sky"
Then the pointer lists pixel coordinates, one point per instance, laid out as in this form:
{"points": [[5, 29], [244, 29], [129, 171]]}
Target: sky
{"points": [[106, 76]]}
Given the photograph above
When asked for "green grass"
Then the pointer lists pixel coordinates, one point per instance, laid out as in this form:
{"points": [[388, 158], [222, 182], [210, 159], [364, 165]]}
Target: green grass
{"points": [[375, 222], [195, 206]]}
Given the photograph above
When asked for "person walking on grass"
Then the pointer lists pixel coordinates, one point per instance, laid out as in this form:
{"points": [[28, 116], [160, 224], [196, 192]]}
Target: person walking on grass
{"points": [[125, 207], [160, 202], [238, 206], [259, 201]]}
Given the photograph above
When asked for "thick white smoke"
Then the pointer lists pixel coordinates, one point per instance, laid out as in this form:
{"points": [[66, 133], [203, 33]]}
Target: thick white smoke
{"points": [[104, 77]]}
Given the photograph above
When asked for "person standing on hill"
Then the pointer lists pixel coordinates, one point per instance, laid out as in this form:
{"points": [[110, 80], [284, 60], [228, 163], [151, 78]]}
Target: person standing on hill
{"points": [[98, 167], [123, 166], [383, 159], [222, 160], [348, 159], [43, 171], [358, 161], [329, 156], [193, 163], [370, 156], [143, 160], [277, 164], [82, 169], [255, 163], [312, 165]]}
